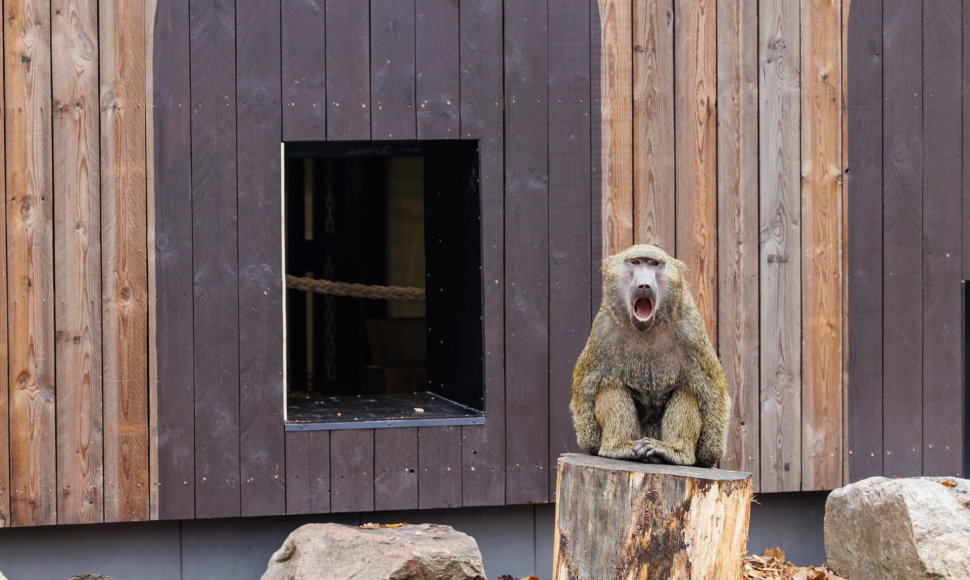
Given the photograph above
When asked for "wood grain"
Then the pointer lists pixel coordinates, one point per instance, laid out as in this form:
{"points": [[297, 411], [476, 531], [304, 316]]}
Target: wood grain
{"points": [[437, 68], [150, 215], [943, 349], [864, 237], [77, 261], [215, 264], [821, 195], [737, 205], [654, 218], [304, 79], [526, 269], [298, 445], [5, 490], [173, 261], [695, 87], [30, 264], [482, 102], [124, 267], [902, 238], [569, 215], [261, 389], [396, 469], [439, 467], [616, 124], [392, 70], [348, 70], [780, 255]]}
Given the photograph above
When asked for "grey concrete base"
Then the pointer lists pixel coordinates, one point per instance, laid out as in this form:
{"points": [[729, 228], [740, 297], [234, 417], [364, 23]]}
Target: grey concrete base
{"points": [[515, 540]]}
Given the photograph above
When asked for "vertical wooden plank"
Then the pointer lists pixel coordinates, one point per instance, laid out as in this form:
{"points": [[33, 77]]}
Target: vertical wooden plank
{"points": [[298, 445], [439, 467], [821, 194], [902, 238], [844, 33], [737, 204], [654, 219], [150, 8], [780, 247], [597, 198], [616, 123], [865, 239], [943, 411], [396, 469], [352, 470], [174, 351], [695, 63], [258, 126], [482, 101], [348, 70], [437, 70], [319, 455], [124, 267], [304, 70], [392, 69], [569, 214], [526, 269], [214, 232], [30, 248], [77, 261], [5, 490]]}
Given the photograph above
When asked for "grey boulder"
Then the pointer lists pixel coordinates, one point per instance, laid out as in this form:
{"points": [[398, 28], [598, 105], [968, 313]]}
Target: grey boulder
{"points": [[334, 551], [899, 528]]}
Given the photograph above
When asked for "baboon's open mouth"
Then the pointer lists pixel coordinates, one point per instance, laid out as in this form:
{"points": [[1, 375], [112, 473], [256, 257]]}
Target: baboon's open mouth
{"points": [[643, 309]]}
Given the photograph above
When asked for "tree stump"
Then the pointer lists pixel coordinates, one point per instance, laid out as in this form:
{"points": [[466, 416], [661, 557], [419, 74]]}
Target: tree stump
{"points": [[623, 519]]}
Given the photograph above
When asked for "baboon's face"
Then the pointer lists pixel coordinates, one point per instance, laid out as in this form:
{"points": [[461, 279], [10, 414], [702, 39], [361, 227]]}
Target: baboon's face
{"points": [[640, 285]]}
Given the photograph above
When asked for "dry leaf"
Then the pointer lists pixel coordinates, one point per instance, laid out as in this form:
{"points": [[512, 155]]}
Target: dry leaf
{"points": [[370, 526], [949, 484], [393, 525], [775, 552]]}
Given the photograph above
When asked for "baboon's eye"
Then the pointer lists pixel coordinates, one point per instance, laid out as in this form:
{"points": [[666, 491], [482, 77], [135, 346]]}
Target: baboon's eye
{"points": [[635, 262], [653, 263]]}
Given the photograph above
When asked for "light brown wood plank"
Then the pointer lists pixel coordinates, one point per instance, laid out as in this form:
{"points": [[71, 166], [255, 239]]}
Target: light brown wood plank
{"points": [[150, 6], [125, 260], [780, 271], [653, 124], [30, 249], [4, 391], [737, 87], [77, 260], [695, 69], [616, 96], [821, 193]]}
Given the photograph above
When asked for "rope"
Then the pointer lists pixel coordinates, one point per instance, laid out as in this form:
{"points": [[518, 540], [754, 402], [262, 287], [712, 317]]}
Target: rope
{"points": [[355, 290]]}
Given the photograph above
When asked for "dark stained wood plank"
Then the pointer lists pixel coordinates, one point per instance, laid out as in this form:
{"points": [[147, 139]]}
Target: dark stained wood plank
{"points": [[214, 232], [352, 470], [173, 261], [483, 446], [695, 86], [943, 416], [436, 54], [439, 467], [780, 254], [298, 445], [737, 205], [966, 145], [596, 201], [260, 277], [77, 262], [902, 238], [392, 69], [569, 215], [654, 219], [526, 268], [396, 469], [30, 264], [864, 237], [319, 455], [124, 267], [821, 196], [348, 70], [304, 70]]}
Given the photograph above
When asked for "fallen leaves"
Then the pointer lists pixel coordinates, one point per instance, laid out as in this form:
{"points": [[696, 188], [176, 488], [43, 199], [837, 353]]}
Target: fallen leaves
{"points": [[772, 566]]}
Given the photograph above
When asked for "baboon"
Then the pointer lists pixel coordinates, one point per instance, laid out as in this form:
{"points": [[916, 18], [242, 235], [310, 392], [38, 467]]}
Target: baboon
{"points": [[648, 386]]}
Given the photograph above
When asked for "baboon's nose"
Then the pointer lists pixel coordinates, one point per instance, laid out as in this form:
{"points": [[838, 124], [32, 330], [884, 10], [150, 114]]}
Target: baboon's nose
{"points": [[644, 286]]}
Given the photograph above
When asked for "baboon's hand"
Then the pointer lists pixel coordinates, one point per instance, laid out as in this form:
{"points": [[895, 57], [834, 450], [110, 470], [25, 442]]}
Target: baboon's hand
{"points": [[650, 450]]}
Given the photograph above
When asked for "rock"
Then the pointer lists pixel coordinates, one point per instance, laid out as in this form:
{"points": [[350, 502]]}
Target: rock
{"points": [[899, 528], [408, 551]]}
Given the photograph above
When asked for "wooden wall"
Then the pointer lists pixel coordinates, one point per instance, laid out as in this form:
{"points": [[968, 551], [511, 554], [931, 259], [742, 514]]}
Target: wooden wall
{"points": [[143, 359], [908, 115]]}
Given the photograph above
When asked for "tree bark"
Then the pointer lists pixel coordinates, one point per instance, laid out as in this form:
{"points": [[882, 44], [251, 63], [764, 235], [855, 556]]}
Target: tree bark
{"points": [[623, 519]]}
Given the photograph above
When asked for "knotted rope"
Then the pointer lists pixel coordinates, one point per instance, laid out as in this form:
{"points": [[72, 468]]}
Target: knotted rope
{"points": [[370, 292]]}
